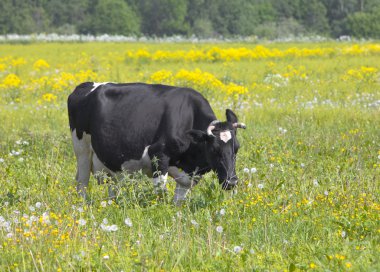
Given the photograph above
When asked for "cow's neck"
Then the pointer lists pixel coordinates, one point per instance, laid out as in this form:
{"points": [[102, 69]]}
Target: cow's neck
{"points": [[194, 160]]}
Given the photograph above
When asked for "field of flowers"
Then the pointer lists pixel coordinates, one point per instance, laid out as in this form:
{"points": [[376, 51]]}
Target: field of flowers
{"points": [[309, 163]]}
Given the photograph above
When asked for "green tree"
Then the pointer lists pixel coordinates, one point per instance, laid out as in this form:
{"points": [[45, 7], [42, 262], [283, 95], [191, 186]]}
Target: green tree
{"points": [[22, 17], [163, 17], [113, 17], [313, 15]]}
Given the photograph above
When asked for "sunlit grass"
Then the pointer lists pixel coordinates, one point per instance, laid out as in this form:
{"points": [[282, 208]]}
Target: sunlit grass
{"points": [[309, 166]]}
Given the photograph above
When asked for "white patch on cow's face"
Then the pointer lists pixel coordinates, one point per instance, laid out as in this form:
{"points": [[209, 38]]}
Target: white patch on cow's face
{"points": [[97, 84], [225, 136]]}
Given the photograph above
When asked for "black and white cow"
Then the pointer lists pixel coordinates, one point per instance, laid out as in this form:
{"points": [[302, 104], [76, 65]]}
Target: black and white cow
{"points": [[117, 127]]}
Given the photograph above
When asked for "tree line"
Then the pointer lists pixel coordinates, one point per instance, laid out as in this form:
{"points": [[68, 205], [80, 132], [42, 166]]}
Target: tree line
{"points": [[203, 18]]}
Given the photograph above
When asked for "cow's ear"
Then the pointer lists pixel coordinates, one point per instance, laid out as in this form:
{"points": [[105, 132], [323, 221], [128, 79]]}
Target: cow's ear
{"points": [[197, 136], [231, 116]]}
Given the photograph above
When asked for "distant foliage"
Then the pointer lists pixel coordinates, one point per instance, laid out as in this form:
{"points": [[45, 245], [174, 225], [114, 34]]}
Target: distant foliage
{"points": [[203, 18]]}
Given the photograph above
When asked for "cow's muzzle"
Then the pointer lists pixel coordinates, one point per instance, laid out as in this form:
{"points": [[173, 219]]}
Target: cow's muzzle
{"points": [[229, 184]]}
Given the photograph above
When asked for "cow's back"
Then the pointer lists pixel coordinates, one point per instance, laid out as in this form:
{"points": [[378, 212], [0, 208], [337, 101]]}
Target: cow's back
{"points": [[123, 119]]}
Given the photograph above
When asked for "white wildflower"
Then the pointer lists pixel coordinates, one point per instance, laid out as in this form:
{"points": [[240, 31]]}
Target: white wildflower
{"points": [[260, 186], [103, 204], [128, 222], [82, 222], [302, 165], [219, 229], [195, 223], [106, 257], [343, 234], [1, 160], [315, 182], [113, 228], [222, 212], [237, 249], [326, 193], [32, 209], [9, 235]]}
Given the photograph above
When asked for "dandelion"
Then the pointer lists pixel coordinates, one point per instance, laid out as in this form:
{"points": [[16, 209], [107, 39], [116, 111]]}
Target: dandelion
{"points": [[237, 249], [1, 160], [38, 205], [348, 265], [103, 204], [326, 193], [343, 234], [113, 228], [195, 223], [128, 222], [82, 222], [282, 130], [253, 170], [315, 182], [219, 229], [106, 257], [32, 209], [302, 165], [260, 186], [246, 170], [271, 165], [222, 212], [312, 265]]}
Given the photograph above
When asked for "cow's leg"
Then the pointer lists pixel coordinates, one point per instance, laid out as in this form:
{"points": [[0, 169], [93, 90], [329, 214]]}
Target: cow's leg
{"points": [[83, 153], [103, 174], [183, 186], [160, 165]]}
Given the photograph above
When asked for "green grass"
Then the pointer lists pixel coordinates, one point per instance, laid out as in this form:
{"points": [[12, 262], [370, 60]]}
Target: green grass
{"points": [[319, 207]]}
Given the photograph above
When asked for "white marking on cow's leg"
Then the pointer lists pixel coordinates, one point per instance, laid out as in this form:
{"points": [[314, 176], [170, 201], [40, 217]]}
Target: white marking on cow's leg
{"points": [[112, 190], [83, 153], [180, 193], [184, 184], [159, 182]]}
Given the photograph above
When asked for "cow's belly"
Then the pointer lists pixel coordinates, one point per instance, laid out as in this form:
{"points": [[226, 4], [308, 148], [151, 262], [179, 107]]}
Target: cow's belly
{"points": [[144, 164]]}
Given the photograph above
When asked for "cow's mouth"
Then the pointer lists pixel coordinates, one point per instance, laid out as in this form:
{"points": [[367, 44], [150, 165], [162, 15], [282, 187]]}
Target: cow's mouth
{"points": [[229, 184]]}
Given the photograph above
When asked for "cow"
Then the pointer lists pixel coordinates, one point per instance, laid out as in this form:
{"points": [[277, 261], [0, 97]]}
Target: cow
{"points": [[158, 129]]}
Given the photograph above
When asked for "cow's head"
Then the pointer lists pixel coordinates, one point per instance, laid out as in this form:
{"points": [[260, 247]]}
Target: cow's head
{"points": [[221, 147]]}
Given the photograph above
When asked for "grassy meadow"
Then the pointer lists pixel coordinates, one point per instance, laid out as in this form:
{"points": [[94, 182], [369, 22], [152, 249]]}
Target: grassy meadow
{"points": [[309, 163]]}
